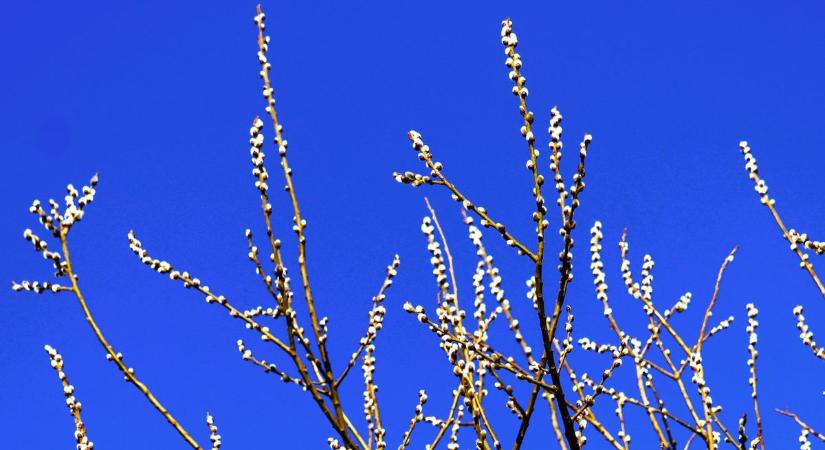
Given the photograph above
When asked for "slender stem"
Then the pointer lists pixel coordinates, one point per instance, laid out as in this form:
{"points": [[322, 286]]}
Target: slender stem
{"points": [[447, 423], [802, 256], [299, 226], [115, 356], [726, 433], [716, 288], [546, 336], [643, 395], [802, 424], [554, 421]]}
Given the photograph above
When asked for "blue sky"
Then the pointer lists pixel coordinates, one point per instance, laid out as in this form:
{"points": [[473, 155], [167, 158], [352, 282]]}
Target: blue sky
{"points": [[158, 98]]}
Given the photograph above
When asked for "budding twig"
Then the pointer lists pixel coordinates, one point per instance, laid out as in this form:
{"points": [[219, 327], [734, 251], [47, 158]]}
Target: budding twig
{"points": [[791, 236], [60, 224], [80, 434]]}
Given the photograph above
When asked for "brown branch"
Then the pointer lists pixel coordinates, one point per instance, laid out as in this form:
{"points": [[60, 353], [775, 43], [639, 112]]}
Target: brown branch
{"points": [[802, 424], [112, 355]]}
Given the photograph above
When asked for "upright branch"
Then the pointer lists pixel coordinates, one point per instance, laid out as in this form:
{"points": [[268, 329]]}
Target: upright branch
{"points": [[80, 435], [510, 41], [376, 322], [299, 224], [465, 350], [696, 362], [213, 432], [753, 324], [417, 418], [376, 317]]}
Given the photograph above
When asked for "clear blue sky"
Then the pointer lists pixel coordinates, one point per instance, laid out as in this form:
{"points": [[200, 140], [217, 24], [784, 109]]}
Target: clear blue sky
{"points": [[158, 98]]}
